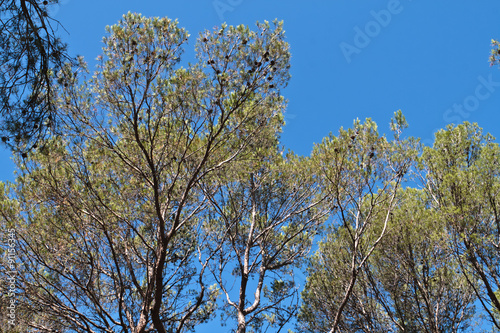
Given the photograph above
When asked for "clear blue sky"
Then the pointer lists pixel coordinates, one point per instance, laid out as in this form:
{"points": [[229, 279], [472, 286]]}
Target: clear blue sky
{"points": [[350, 59]]}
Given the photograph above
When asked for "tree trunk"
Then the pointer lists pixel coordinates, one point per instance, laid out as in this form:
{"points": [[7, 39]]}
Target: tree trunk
{"points": [[242, 324]]}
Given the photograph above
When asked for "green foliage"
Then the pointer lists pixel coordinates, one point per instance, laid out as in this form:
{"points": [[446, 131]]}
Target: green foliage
{"points": [[30, 54], [437, 248], [115, 202], [419, 283], [463, 182], [410, 283], [360, 174], [398, 124], [169, 179], [263, 220], [495, 52]]}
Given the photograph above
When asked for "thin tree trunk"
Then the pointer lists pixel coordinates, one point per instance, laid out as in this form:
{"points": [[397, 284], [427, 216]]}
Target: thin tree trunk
{"points": [[242, 324]]}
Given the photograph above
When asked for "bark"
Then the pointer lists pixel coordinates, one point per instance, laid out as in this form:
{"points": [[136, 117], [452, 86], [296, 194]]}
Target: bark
{"points": [[242, 325]]}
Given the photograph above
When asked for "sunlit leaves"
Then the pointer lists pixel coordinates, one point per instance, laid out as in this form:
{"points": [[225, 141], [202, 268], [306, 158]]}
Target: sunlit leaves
{"points": [[115, 202], [462, 179]]}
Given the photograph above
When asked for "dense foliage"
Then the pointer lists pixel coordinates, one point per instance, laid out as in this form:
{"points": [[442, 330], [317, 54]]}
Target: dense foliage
{"points": [[30, 54], [170, 200]]}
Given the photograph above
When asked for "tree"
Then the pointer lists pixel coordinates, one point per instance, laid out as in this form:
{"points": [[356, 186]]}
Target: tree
{"points": [[409, 284], [360, 172], [114, 203], [329, 274], [413, 276], [30, 54], [461, 175], [262, 222]]}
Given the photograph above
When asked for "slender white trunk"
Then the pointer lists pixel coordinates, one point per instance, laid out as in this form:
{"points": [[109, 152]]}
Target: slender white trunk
{"points": [[242, 324]]}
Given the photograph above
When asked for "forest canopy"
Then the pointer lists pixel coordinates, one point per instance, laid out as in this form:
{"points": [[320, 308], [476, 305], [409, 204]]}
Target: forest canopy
{"points": [[170, 200]]}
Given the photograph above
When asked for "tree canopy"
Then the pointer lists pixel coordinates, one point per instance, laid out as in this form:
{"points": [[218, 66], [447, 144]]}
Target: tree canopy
{"points": [[170, 200], [30, 54]]}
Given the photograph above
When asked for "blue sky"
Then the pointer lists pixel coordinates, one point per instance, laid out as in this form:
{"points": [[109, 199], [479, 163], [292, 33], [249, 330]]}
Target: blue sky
{"points": [[350, 59]]}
